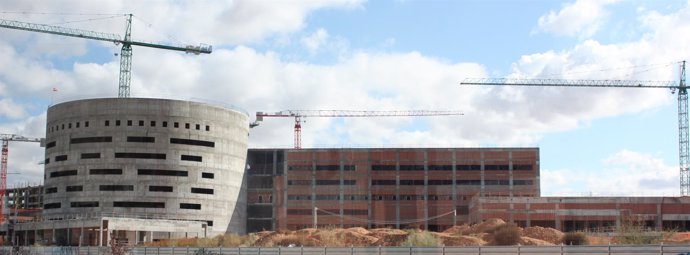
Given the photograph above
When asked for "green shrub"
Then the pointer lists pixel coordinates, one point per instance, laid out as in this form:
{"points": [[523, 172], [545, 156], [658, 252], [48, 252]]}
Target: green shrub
{"points": [[574, 238], [420, 239], [506, 234]]}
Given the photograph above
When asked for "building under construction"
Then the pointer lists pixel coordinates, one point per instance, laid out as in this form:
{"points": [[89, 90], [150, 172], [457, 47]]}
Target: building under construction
{"points": [[429, 188]]}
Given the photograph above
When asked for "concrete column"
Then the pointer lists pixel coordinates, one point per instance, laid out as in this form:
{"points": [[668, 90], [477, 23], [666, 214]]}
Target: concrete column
{"points": [[369, 196], [26, 237], [426, 189], [481, 172], [100, 233], [510, 178], [557, 217], [313, 186], [659, 217], [397, 189], [528, 221], [455, 188], [341, 187]]}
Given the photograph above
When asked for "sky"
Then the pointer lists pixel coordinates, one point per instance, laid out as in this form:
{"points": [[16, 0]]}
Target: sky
{"points": [[381, 55]]}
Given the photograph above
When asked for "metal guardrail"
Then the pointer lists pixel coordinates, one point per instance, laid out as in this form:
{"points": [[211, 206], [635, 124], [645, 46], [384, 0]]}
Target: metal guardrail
{"points": [[477, 250]]}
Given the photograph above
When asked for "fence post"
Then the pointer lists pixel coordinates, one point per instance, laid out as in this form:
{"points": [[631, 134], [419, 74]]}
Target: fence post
{"points": [[443, 250], [352, 250], [187, 252], [518, 250], [158, 251], [379, 249], [239, 250], [259, 250], [278, 251], [410, 250], [301, 249]]}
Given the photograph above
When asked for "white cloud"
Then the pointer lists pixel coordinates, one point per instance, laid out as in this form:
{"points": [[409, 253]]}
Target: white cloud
{"points": [[9, 108], [625, 173], [581, 18], [315, 41]]}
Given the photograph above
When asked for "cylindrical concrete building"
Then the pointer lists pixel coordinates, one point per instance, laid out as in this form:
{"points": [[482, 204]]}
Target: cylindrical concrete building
{"points": [[147, 158]]}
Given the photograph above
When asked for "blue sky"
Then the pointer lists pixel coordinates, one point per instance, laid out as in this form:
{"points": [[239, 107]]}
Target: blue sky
{"points": [[383, 55]]}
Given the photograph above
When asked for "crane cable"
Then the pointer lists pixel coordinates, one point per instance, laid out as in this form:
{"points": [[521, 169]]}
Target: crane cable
{"points": [[386, 222]]}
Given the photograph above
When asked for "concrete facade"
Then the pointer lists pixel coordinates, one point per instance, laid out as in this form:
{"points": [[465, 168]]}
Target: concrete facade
{"points": [[398, 187], [147, 158]]}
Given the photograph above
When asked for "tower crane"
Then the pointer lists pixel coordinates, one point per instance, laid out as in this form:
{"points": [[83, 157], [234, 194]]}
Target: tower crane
{"points": [[299, 116], [680, 87], [127, 43], [6, 139]]}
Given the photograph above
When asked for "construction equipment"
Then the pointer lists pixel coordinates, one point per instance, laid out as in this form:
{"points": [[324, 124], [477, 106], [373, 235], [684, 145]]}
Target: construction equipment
{"points": [[6, 138], [125, 53], [680, 87], [299, 116]]}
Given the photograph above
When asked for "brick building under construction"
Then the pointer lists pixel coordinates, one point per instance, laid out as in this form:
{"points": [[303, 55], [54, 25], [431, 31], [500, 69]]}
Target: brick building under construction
{"points": [[429, 188]]}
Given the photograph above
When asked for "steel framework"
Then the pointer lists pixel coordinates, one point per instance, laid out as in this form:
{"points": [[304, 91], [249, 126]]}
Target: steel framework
{"points": [[299, 116], [125, 53]]}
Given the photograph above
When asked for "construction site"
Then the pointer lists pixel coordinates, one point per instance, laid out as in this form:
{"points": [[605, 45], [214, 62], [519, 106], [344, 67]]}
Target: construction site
{"points": [[144, 170]]}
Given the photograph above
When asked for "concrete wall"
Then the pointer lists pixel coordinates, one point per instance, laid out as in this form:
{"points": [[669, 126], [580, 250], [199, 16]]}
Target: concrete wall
{"points": [[157, 158]]}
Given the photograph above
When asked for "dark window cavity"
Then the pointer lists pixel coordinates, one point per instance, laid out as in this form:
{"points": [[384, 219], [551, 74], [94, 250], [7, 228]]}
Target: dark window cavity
{"points": [[186, 125], [141, 123], [129, 122], [52, 205], [63, 173], [207, 175], [104, 171], [153, 123], [191, 158], [522, 182], [382, 182], [50, 145], [383, 167], [161, 188], [51, 190], [468, 167], [176, 124], [141, 139], [139, 155], [90, 155], [116, 188], [208, 128], [496, 167], [60, 158], [522, 167], [192, 142], [131, 204], [98, 139], [440, 167], [84, 204], [74, 188], [468, 182], [86, 124], [202, 191], [117, 123], [190, 206], [411, 167], [77, 124], [162, 172], [165, 124], [107, 123], [198, 127], [440, 182]]}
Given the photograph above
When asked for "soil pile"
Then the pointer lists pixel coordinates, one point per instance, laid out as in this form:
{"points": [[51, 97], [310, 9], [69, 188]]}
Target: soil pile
{"points": [[547, 234]]}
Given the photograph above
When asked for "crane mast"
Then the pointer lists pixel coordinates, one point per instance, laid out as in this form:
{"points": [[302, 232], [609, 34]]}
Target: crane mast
{"points": [[127, 43], [6, 138], [299, 116], [680, 87]]}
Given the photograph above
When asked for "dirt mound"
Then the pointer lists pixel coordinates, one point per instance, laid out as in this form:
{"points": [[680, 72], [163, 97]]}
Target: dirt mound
{"points": [[533, 241], [547, 234], [458, 230], [453, 240], [388, 236], [485, 226]]}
